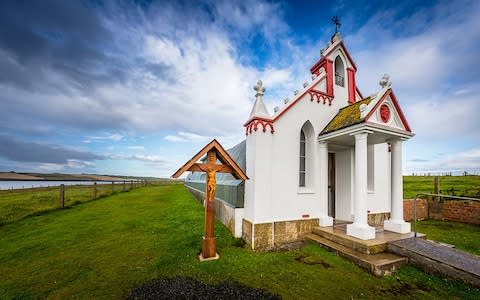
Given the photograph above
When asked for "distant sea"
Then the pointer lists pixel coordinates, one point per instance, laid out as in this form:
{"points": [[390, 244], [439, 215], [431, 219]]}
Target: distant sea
{"points": [[27, 184]]}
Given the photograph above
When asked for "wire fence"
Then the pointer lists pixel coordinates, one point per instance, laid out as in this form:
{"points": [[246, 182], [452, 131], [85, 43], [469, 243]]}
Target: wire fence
{"points": [[18, 204]]}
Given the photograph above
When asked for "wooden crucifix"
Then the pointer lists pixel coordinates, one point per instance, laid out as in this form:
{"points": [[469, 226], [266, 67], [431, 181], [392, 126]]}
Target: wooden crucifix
{"points": [[214, 152]]}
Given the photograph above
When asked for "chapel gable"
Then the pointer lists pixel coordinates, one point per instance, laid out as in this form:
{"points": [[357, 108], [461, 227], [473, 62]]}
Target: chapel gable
{"points": [[340, 70]]}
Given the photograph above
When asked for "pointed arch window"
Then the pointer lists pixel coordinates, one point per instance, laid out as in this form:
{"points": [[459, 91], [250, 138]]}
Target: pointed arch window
{"points": [[303, 159], [339, 72]]}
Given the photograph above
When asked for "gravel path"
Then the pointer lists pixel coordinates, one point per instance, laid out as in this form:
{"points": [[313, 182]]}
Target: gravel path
{"points": [[187, 288]]}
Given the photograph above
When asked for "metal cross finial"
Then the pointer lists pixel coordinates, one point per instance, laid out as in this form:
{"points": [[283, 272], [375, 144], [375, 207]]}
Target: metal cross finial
{"points": [[337, 23]]}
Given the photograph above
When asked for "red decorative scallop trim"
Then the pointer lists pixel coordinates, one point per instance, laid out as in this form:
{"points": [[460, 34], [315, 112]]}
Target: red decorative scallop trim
{"points": [[253, 125], [319, 96]]}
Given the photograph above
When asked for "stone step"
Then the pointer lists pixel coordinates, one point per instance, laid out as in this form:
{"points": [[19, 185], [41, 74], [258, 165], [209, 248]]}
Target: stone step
{"points": [[380, 264], [365, 247]]}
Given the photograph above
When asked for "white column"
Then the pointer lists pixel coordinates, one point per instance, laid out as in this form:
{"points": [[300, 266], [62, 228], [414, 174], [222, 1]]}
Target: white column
{"points": [[325, 219], [360, 228], [396, 222]]}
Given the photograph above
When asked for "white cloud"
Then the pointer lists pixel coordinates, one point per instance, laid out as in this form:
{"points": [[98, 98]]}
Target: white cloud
{"points": [[111, 137], [468, 160], [144, 158], [160, 50], [186, 137], [438, 48], [445, 116], [136, 148]]}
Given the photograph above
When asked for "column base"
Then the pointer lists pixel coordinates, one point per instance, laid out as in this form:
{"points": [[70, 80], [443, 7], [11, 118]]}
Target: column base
{"points": [[325, 221], [361, 231], [398, 226]]}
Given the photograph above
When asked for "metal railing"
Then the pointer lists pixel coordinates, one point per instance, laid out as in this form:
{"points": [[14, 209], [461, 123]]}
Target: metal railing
{"points": [[433, 195], [339, 80]]}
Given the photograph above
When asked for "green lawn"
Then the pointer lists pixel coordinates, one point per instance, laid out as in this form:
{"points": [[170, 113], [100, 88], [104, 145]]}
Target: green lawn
{"points": [[461, 185], [107, 247], [465, 237], [18, 204]]}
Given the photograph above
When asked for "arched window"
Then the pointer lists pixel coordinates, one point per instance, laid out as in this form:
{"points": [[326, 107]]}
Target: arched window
{"points": [[303, 158], [339, 72]]}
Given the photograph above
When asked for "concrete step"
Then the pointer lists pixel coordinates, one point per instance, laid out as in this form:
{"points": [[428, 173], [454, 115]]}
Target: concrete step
{"points": [[380, 264], [365, 247], [437, 258]]}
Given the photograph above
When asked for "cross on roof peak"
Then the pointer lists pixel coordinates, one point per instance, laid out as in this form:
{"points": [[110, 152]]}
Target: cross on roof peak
{"points": [[337, 23]]}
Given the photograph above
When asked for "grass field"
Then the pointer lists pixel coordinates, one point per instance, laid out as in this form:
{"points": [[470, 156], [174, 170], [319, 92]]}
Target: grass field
{"points": [[107, 247], [18, 204], [449, 185]]}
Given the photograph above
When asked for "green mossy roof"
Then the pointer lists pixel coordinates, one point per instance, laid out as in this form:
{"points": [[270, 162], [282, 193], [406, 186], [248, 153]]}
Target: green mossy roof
{"points": [[347, 116]]}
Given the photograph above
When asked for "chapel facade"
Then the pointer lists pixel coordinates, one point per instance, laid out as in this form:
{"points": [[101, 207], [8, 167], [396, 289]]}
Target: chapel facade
{"points": [[328, 155]]}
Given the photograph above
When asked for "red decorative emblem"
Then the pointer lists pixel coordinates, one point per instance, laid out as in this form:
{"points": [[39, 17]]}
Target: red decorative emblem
{"points": [[385, 113]]}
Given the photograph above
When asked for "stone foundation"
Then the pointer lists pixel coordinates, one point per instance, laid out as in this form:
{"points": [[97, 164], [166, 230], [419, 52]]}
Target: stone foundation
{"points": [[377, 219], [265, 236]]}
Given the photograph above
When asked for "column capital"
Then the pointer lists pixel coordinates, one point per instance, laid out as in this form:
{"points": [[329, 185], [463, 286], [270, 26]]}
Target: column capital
{"points": [[397, 139], [323, 144], [361, 133]]}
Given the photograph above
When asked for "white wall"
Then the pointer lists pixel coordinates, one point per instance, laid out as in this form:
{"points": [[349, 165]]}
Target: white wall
{"points": [[380, 200], [258, 168]]}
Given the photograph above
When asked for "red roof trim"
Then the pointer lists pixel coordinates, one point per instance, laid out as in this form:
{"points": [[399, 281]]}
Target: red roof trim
{"points": [[296, 100], [256, 118], [318, 65], [397, 108], [358, 91]]}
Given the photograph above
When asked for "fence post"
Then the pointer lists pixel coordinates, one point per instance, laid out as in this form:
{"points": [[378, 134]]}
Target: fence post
{"points": [[124, 185], [415, 216], [62, 196], [94, 196], [436, 187], [131, 184], [113, 187]]}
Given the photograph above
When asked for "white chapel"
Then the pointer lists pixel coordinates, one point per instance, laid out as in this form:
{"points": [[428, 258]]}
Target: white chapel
{"points": [[328, 155]]}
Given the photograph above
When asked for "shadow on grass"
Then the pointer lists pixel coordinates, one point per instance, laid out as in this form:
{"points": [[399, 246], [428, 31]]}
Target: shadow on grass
{"points": [[189, 288]]}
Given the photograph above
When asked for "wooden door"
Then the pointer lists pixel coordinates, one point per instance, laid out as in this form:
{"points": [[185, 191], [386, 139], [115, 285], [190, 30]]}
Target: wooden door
{"points": [[331, 185]]}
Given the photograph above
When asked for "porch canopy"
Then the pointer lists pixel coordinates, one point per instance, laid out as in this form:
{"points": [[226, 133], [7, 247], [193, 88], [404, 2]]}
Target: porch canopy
{"points": [[373, 120]]}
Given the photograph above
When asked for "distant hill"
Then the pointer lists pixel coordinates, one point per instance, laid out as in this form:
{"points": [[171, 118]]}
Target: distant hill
{"points": [[67, 177], [18, 176]]}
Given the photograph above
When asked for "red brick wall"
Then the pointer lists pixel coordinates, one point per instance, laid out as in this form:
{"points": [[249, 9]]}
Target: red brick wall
{"points": [[422, 209], [462, 211], [448, 210]]}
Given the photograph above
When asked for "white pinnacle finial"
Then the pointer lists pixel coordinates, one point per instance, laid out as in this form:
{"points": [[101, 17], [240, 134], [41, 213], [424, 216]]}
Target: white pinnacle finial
{"points": [[259, 88], [385, 81], [259, 109]]}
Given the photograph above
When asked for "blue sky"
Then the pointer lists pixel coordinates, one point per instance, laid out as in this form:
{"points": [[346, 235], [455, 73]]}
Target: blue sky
{"points": [[136, 88]]}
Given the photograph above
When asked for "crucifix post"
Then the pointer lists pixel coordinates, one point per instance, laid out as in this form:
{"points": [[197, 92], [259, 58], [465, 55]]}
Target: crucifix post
{"points": [[209, 248]]}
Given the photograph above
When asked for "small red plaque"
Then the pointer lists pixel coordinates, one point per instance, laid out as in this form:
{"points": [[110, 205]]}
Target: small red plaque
{"points": [[385, 113], [306, 216]]}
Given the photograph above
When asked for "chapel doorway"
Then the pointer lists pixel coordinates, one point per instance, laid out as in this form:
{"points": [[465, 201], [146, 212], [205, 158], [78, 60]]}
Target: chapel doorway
{"points": [[331, 185]]}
